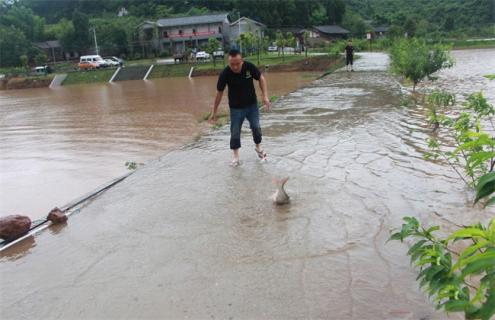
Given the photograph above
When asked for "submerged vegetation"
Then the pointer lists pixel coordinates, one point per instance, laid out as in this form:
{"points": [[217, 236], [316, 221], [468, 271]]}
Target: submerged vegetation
{"points": [[459, 281]]}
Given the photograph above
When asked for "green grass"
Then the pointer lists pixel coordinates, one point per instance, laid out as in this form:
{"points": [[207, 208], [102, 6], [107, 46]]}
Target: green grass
{"points": [[64, 67], [274, 58], [464, 44], [181, 70], [88, 76], [141, 62], [13, 71], [170, 70]]}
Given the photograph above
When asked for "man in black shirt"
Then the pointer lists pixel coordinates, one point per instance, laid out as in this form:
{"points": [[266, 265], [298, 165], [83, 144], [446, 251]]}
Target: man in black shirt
{"points": [[349, 55], [238, 76]]}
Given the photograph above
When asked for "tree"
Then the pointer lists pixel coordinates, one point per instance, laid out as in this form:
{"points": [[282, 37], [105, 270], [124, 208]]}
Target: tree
{"points": [[355, 24], [335, 11], [281, 42], [449, 23], [24, 19], [81, 37], [291, 40], [318, 15], [24, 62], [395, 31], [415, 60], [410, 27], [13, 44], [212, 45], [40, 59], [163, 11], [422, 28], [306, 42]]}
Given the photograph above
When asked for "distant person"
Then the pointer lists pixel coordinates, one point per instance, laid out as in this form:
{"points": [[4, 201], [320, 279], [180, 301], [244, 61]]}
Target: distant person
{"points": [[349, 56], [238, 76]]}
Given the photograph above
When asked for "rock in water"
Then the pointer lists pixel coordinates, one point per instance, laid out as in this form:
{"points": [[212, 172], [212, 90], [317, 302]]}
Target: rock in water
{"points": [[56, 216], [14, 226], [280, 197]]}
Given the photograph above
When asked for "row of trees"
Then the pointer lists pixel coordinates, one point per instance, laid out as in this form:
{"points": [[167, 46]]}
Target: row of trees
{"points": [[439, 18], [25, 21], [275, 13]]}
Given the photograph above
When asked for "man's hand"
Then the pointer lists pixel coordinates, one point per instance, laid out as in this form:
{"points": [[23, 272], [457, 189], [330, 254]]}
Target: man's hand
{"points": [[267, 103], [213, 118]]}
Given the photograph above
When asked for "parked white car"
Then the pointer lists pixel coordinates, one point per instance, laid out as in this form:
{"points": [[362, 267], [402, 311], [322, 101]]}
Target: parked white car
{"points": [[202, 55], [114, 61], [218, 53], [272, 49]]}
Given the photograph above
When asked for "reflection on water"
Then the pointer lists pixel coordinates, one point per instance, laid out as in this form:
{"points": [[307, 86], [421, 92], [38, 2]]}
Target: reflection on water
{"points": [[58, 144]]}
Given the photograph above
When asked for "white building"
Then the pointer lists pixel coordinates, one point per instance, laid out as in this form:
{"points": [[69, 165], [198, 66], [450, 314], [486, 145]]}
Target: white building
{"points": [[244, 25]]}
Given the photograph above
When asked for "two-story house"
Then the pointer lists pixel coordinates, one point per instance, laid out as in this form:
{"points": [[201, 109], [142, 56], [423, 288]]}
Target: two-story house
{"points": [[177, 34]]}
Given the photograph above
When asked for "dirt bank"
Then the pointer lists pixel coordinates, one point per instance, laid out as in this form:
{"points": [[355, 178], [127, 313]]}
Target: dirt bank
{"points": [[24, 83], [318, 63]]}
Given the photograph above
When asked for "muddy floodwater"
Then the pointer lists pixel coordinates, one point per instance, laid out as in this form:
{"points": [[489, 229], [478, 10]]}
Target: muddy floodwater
{"points": [[58, 144], [188, 237]]}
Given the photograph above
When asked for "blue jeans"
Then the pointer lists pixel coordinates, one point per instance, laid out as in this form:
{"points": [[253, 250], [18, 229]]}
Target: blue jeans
{"points": [[237, 117]]}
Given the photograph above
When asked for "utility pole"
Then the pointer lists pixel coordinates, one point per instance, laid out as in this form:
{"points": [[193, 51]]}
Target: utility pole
{"points": [[96, 43], [240, 40], [259, 36]]}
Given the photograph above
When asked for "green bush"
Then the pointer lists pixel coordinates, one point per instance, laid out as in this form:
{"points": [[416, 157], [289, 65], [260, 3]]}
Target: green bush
{"points": [[416, 60], [459, 281], [475, 148]]}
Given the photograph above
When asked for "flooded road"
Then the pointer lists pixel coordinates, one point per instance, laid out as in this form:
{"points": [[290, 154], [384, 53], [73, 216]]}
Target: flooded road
{"points": [[188, 237], [58, 144]]}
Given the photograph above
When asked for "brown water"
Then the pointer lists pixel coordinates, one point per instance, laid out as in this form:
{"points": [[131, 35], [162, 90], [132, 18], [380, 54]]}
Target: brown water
{"points": [[58, 144], [466, 76]]}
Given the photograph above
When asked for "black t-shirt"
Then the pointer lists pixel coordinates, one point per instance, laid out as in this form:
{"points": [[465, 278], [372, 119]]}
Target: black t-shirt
{"points": [[241, 87], [349, 50]]}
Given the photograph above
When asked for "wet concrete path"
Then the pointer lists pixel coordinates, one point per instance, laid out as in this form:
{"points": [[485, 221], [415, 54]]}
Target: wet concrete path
{"points": [[188, 237]]}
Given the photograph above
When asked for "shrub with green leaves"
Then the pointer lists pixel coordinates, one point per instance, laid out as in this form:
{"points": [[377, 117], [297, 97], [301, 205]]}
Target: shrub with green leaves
{"points": [[416, 60], [474, 148], [437, 101], [131, 165], [458, 281]]}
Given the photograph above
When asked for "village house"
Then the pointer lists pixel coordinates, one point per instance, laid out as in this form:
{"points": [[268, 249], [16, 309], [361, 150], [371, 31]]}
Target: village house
{"points": [[380, 32], [52, 49], [246, 25], [177, 34], [329, 32]]}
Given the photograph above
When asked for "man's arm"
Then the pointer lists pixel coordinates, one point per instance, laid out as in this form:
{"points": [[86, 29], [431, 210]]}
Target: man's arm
{"points": [[218, 99], [264, 90]]}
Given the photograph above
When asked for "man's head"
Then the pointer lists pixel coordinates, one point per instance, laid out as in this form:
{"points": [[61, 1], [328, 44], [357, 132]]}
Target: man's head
{"points": [[235, 61], [350, 41]]}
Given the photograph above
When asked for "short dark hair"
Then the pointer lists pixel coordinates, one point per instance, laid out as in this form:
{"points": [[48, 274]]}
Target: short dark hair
{"points": [[234, 52]]}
